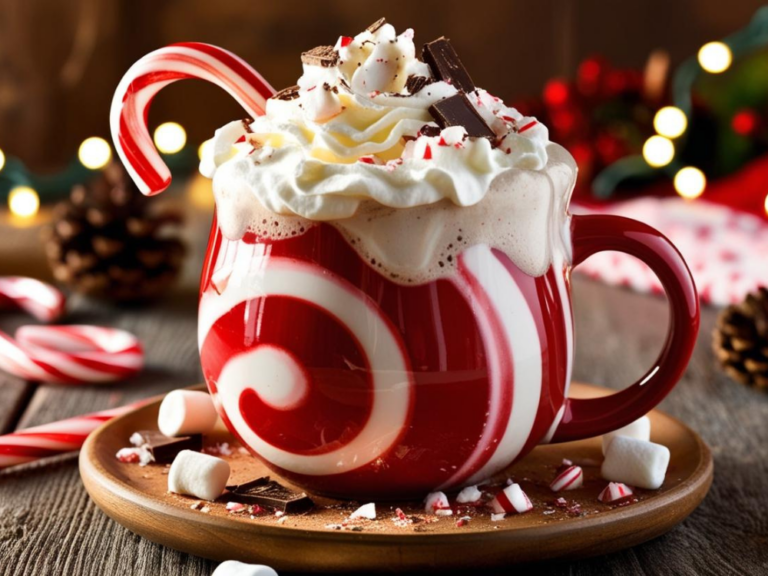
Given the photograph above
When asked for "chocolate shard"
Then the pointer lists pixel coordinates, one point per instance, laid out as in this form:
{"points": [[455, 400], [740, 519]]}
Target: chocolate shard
{"points": [[165, 448], [266, 492], [415, 83], [324, 56], [247, 125], [429, 130], [376, 25], [445, 64], [458, 111], [290, 93]]}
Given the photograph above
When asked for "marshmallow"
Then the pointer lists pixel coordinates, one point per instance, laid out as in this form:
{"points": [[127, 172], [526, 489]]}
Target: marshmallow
{"points": [[640, 429], [614, 491], [511, 499], [569, 479], [365, 511], [235, 568], [436, 501], [636, 462], [185, 412], [198, 475], [469, 494]]}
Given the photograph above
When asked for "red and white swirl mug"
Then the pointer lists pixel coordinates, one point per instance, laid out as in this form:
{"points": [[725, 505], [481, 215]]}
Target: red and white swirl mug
{"points": [[351, 384]]}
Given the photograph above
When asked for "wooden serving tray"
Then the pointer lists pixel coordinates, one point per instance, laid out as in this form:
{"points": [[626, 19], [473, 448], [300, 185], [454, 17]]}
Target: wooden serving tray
{"points": [[137, 498]]}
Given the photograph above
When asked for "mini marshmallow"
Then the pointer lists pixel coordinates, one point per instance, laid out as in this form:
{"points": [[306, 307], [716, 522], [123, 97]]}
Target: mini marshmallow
{"points": [[636, 462], [365, 511], [185, 412], [235, 568], [511, 499], [198, 475], [640, 429], [468, 495], [436, 501], [569, 479], [614, 491]]}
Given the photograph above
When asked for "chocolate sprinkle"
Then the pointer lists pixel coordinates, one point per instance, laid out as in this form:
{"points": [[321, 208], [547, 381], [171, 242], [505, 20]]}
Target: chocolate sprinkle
{"points": [[458, 111], [266, 492], [445, 64], [247, 125], [416, 83], [324, 56], [290, 93], [165, 448], [376, 25]]}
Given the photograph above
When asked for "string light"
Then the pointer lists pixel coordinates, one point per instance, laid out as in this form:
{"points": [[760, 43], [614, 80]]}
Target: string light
{"points": [[94, 153], [658, 151], [203, 147], [23, 202], [715, 57], [690, 182], [2, 159], [670, 121], [170, 137]]}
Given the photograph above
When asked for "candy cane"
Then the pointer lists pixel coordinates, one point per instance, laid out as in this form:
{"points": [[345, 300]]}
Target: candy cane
{"points": [[155, 71], [56, 438], [62, 354]]}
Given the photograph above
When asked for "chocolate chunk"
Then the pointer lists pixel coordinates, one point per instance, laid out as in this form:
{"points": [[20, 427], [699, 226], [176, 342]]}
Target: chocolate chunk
{"points": [[290, 93], [376, 25], [458, 111], [445, 64], [324, 56], [266, 492], [429, 130], [416, 83], [165, 448]]}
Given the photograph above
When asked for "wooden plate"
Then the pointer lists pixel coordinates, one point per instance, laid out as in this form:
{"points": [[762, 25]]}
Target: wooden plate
{"points": [[136, 497]]}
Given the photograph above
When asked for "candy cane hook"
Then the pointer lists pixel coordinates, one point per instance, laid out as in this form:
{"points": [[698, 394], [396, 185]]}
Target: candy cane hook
{"points": [[155, 71]]}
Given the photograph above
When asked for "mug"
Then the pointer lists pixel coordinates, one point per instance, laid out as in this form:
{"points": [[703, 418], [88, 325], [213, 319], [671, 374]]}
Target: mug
{"points": [[349, 384]]}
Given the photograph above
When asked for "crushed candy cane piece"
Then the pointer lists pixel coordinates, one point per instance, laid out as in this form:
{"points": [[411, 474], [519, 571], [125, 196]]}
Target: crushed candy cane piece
{"points": [[235, 507], [615, 491], [498, 517], [511, 499], [436, 501], [569, 479], [365, 511], [469, 494], [128, 455], [443, 512]]}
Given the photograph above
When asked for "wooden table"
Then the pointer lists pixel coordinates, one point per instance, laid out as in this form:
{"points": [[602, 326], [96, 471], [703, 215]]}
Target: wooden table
{"points": [[48, 525]]}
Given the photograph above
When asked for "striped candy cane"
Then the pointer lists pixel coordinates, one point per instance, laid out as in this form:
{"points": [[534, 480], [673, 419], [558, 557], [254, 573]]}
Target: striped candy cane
{"points": [[152, 73], [56, 438], [62, 354]]}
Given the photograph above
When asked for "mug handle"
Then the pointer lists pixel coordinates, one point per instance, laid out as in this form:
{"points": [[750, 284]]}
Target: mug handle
{"points": [[585, 418]]}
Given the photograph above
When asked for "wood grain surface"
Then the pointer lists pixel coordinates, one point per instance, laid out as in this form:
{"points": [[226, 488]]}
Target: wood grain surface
{"points": [[48, 525]]}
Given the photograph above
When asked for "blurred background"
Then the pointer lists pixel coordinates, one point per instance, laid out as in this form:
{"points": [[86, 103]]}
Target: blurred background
{"points": [[61, 61], [661, 103]]}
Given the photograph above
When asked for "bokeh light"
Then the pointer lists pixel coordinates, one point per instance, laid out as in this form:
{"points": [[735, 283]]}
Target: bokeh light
{"points": [[94, 153], [690, 182], [23, 202], [715, 57], [2, 159], [670, 121], [658, 151], [170, 137]]}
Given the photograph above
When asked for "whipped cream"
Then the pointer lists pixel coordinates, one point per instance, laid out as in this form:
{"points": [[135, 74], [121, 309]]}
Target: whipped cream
{"points": [[351, 146], [353, 134]]}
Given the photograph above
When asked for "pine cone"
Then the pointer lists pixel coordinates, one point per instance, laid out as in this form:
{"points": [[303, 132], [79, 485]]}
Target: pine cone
{"points": [[104, 241], [740, 340]]}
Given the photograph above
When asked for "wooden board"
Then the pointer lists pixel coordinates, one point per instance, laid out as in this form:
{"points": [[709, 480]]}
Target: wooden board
{"points": [[137, 497]]}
